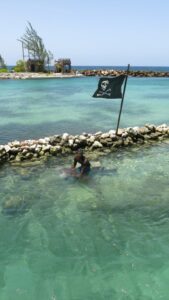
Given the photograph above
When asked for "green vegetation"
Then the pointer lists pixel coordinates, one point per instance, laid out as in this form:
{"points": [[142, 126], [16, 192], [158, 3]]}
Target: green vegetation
{"points": [[4, 70], [20, 66], [35, 46], [2, 63]]}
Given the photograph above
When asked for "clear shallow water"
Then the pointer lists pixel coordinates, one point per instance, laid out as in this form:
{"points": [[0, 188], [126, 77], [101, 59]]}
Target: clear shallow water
{"points": [[105, 237], [38, 108], [101, 238]]}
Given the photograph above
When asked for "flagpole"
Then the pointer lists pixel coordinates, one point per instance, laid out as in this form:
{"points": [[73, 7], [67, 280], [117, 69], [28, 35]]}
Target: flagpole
{"points": [[122, 99]]}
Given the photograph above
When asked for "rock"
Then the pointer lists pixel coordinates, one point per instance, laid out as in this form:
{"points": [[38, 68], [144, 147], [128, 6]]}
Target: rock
{"points": [[53, 150], [163, 126], [41, 153], [112, 132], [47, 139], [106, 142], [70, 142], [77, 141], [136, 129], [144, 130], [85, 134], [75, 146], [105, 135], [19, 157], [14, 150], [33, 147], [131, 131], [55, 139], [98, 133], [96, 145], [65, 136], [7, 148], [120, 131], [46, 148], [82, 142], [24, 151], [114, 137], [38, 148], [2, 151], [91, 139], [42, 142], [124, 134], [155, 135], [151, 127], [14, 205], [82, 138], [12, 157], [29, 155], [117, 144], [16, 143], [58, 149], [95, 164]]}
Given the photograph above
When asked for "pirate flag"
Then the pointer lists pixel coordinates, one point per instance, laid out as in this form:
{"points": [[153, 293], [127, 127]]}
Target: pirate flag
{"points": [[110, 87]]}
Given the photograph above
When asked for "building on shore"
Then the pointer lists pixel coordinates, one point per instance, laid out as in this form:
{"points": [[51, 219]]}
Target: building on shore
{"points": [[62, 65], [34, 65]]}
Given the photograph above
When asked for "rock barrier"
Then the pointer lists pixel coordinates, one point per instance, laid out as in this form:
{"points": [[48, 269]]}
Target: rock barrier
{"points": [[120, 72], [18, 151]]}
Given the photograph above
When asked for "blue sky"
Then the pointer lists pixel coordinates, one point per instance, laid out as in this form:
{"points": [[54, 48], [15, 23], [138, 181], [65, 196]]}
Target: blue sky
{"points": [[90, 32]]}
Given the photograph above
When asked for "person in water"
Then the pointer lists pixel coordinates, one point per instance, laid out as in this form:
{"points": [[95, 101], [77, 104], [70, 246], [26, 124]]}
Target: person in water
{"points": [[84, 169]]}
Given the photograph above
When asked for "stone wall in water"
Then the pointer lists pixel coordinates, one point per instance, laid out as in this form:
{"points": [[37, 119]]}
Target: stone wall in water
{"points": [[119, 72], [18, 151]]}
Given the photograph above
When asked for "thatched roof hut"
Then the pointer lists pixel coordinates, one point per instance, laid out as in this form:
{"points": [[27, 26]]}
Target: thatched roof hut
{"points": [[63, 65], [35, 65]]}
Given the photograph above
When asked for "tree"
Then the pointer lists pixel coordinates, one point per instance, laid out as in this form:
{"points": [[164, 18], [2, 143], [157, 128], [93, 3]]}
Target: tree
{"points": [[20, 66], [2, 63], [35, 46]]}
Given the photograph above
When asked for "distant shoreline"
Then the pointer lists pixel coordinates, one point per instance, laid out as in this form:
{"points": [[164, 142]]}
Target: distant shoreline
{"points": [[29, 75], [77, 74]]}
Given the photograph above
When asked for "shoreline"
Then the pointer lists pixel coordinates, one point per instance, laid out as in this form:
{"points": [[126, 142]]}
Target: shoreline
{"points": [[83, 73], [67, 144], [29, 75]]}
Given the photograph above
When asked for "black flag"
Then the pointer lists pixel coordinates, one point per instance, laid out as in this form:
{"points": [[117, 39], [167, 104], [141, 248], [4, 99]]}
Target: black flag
{"points": [[110, 87]]}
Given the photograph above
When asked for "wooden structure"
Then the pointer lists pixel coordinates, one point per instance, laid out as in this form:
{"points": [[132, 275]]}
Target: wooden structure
{"points": [[63, 65], [34, 65]]}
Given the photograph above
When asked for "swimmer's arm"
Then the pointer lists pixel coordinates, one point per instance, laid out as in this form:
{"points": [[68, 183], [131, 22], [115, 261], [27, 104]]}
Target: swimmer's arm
{"points": [[74, 164]]}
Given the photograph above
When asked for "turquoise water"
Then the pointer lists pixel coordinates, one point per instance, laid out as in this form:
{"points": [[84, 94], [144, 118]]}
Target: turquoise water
{"points": [[103, 237], [37, 108]]}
